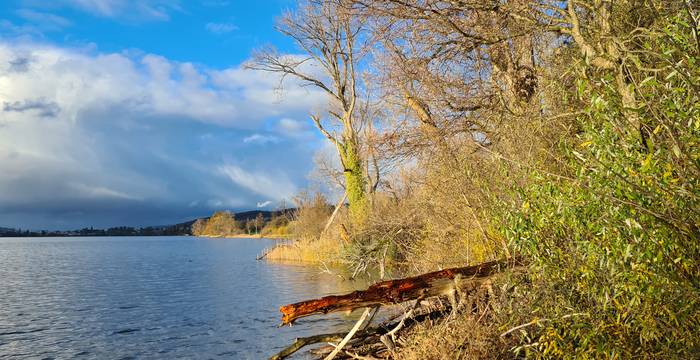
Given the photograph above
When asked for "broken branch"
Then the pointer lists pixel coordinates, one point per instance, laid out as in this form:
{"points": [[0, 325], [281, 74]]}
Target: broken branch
{"points": [[394, 291]]}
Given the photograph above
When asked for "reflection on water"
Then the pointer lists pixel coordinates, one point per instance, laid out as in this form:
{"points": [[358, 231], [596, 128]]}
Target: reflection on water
{"points": [[156, 297]]}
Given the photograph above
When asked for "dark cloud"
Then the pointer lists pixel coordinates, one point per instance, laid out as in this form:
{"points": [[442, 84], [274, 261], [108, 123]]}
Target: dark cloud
{"points": [[104, 215], [143, 141], [19, 64], [42, 107], [161, 172]]}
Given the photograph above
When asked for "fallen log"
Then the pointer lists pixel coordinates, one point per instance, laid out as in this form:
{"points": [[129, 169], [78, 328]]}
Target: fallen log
{"points": [[360, 336], [395, 291]]}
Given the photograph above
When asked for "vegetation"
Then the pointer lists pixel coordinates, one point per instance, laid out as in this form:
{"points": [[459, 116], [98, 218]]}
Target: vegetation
{"points": [[221, 223], [260, 223], [329, 34], [566, 133], [306, 225], [257, 222]]}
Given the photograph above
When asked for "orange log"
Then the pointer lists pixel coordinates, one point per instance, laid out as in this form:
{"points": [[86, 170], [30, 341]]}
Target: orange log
{"points": [[393, 291]]}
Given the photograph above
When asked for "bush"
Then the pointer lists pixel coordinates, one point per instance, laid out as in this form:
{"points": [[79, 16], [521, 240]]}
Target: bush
{"points": [[311, 215], [221, 223], [614, 246]]}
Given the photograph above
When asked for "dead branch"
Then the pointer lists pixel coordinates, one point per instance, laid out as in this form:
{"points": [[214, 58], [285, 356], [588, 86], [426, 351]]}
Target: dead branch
{"points": [[361, 336], [394, 291], [302, 342], [349, 336]]}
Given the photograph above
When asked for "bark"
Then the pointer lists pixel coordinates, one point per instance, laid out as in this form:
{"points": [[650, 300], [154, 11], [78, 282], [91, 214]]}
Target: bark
{"points": [[395, 291], [355, 181], [362, 336], [301, 342]]}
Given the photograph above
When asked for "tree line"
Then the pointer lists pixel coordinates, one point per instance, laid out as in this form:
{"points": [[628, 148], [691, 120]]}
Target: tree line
{"points": [[226, 223], [170, 230]]}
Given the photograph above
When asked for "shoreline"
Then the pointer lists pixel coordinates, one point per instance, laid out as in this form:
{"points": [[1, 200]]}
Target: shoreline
{"points": [[246, 236]]}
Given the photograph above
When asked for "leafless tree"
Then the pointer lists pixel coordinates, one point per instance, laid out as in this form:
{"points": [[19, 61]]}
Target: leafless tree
{"points": [[329, 35]]}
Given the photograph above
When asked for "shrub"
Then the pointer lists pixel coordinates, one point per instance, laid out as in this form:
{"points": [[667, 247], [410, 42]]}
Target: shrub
{"points": [[614, 243]]}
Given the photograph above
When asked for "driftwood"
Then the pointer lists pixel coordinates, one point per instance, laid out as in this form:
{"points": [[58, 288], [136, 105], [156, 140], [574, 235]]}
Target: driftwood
{"points": [[301, 342], [443, 282], [436, 283], [348, 336], [371, 334]]}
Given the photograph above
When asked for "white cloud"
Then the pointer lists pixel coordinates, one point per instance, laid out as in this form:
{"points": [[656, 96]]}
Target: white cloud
{"points": [[102, 192], [102, 7], [291, 125], [220, 28], [276, 186], [134, 9], [296, 129], [268, 93], [76, 81], [44, 21], [19, 32], [261, 139], [264, 203], [224, 203]]}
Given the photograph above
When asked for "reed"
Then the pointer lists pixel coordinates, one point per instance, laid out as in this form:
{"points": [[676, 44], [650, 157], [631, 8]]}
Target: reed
{"points": [[324, 250]]}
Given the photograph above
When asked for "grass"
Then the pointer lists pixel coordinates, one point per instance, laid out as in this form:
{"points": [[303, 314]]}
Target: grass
{"points": [[308, 251]]}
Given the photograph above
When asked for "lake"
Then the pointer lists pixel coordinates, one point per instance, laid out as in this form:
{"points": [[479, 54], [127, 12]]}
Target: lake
{"points": [[152, 298]]}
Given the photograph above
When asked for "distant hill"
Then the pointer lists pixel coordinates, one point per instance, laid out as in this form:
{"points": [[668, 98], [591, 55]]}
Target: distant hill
{"points": [[252, 214]]}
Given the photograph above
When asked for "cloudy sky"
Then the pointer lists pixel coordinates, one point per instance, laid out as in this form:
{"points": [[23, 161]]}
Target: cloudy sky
{"points": [[139, 112]]}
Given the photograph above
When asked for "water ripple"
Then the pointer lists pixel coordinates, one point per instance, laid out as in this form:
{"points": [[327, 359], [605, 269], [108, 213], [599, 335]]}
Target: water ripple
{"points": [[167, 297]]}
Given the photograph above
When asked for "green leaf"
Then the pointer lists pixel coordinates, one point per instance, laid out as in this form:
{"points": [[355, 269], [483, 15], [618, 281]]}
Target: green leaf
{"points": [[676, 150]]}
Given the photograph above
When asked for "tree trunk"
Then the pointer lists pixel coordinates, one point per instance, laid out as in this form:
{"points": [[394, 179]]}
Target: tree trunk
{"points": [[355, 182], [395, 291]]}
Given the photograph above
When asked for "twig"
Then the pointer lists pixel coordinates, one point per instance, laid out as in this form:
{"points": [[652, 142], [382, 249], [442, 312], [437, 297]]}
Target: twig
{"points": [[359, 357], [408, 314], [533, 322], [349, 335], [376, 310], [539, 321], [335, 212], [389, 338]]}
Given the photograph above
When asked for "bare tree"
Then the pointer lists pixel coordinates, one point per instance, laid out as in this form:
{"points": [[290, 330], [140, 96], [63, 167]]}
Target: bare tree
{"points": [[328, 34], [259, 222]]}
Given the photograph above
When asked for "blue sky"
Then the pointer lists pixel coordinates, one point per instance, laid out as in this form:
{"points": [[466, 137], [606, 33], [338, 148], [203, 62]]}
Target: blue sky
{"points": [[218, 33], [126, 112]]}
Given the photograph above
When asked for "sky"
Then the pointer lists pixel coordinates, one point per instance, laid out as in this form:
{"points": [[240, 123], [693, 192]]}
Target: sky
{"points": [[140, 112]]}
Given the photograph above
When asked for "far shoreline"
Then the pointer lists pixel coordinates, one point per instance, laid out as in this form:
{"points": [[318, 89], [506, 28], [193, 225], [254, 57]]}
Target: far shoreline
{"points": [[236, 236]]}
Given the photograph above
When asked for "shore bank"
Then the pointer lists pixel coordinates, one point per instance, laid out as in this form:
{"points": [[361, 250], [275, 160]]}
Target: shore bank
{"points": [[247, 236]]}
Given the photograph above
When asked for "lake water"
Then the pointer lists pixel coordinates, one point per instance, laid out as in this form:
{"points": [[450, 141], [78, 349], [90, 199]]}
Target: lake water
{"points": [[151, 298]]}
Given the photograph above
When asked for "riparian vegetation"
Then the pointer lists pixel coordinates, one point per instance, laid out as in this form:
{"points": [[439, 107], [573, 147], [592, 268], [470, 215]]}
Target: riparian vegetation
{"points": [[565, 133]]}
